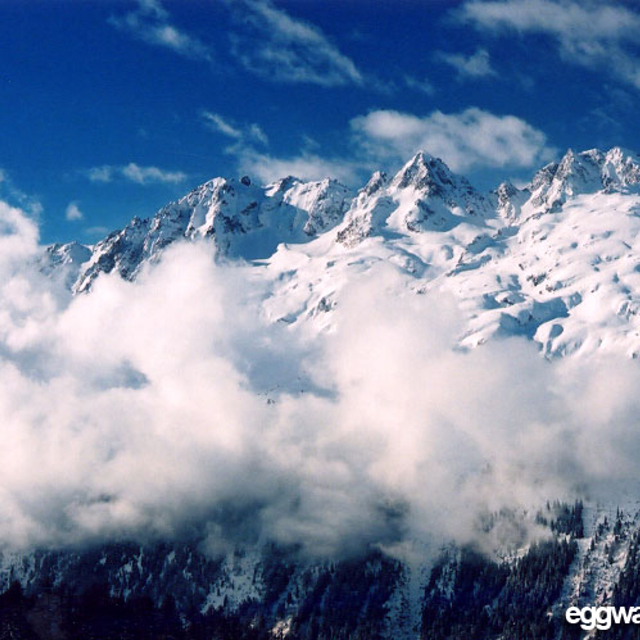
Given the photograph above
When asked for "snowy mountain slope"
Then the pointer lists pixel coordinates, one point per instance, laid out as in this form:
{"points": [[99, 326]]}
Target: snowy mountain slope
{"points": [[588, 559], [557, 262], [553, 262], [242, 219], [566, 277], [424, 196], [64, 261]]}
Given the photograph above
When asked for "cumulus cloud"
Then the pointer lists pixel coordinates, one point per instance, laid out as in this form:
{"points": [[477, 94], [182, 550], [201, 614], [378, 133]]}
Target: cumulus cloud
{"points": [[150, 22], [171, 407], [273, 44], [134, 173], [468, 140], [592, 34], [477, 65], [19, 237], [73, 213], [472, 138]]}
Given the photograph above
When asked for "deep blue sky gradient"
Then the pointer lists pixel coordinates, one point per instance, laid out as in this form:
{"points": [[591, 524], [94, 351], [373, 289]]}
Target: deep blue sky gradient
{"points": [[76, 92]]}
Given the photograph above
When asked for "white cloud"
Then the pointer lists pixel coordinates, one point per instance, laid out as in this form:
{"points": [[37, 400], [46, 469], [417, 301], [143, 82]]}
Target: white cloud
{"points": [[134, 173], [601, 35], [265, 166], [147, 175], [104, 173], [97, 231], [17, 197], [245, 134], [470, 139], [73, 212], [424, 85], [266, 41], [19, 237], [306, 166], [254, 132], [279, 47], [112, 431], [477, 65], [150, 23], [217, 123]]}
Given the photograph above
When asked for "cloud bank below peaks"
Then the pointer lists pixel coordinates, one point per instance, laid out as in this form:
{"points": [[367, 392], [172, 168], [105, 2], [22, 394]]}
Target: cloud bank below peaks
{"points": [[169, 407]]}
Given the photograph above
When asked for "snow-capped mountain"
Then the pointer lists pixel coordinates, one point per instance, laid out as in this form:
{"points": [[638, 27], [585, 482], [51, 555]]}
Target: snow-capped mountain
{"points": [[424, 196], [64, 261], [242, 219], [556, 261]]}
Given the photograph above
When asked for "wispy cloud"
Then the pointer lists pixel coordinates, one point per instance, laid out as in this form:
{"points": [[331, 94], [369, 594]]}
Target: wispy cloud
{"points": [[423, 85], [15, 196], [477, 65], [306, 166], [217, 123], [104, 173], [470, 139], [264, 39], [249, 141], [73, 212], [148, 175], [600, 35], [96, 231], [151, 23], [276, 46], [241, 133], [134, 173]]}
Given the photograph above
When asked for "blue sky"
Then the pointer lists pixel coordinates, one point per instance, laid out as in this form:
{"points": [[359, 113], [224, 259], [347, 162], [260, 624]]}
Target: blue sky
{"points": [[109, 109]]}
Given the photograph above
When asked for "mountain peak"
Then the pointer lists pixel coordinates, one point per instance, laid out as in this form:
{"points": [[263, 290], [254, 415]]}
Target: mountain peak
{"points": [[580, 167], [282, 185], [506, 188], [575, 174], [243, 219], [508, 200], [620, 153], [376, 182], [424, 171], [621, 169]]}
